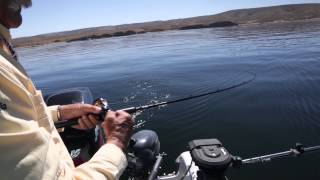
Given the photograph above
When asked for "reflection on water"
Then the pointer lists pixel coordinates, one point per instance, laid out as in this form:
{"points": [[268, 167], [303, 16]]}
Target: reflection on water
{"points": [[281, 107]]}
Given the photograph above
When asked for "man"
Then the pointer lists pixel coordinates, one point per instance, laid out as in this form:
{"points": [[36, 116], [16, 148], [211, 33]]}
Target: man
{"points": [[30, 146]]}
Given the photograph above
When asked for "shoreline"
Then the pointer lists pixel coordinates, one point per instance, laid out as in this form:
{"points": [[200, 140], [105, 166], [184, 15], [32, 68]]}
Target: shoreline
{"points": [[242, 17]]}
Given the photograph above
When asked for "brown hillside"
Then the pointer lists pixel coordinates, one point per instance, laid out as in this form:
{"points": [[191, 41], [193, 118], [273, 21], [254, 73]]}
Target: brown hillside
{"points": [[229, 18]]}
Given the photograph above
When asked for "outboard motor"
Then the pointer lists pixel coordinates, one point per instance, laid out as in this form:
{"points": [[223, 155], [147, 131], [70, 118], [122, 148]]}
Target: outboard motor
{"points": [[144, 147]]}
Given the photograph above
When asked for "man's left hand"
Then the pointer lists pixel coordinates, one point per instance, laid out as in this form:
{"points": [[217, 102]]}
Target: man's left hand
{"points": [[86, 114]]}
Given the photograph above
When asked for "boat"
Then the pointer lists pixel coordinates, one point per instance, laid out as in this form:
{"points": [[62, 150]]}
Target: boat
{"points": [[205, 158]]}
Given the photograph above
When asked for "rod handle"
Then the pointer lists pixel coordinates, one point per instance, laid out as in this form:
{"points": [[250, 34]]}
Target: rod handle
{"points": [[66, 123], [72, 122]]}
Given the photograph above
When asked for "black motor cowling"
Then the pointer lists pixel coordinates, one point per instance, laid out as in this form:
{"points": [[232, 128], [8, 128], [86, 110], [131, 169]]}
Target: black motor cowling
{"points": [[142, 152], [70, 96]]}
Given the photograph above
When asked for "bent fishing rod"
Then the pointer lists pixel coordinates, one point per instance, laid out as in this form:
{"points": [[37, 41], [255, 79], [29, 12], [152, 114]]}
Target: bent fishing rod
{"points": [[105, 108]]}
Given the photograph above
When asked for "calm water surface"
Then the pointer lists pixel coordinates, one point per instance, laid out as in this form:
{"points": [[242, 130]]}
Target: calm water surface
{"points": [[281, 107]]}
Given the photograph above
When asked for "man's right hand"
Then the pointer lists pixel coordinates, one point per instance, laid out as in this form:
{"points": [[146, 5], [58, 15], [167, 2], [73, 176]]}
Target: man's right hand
{"points": [[118, 128]]}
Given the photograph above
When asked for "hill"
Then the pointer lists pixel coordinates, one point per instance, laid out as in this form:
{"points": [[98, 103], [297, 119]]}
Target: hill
{"points": [[292, 12]]}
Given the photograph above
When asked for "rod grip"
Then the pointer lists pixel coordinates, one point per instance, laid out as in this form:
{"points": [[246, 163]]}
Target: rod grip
{"points": [[72, 122], [65, 123]]}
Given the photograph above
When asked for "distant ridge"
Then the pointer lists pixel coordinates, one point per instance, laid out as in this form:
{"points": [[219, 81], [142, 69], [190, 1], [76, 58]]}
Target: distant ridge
{"points": [[291, 12]]}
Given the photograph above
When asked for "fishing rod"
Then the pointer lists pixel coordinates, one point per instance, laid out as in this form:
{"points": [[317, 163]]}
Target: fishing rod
{"points": [[104, 105]]}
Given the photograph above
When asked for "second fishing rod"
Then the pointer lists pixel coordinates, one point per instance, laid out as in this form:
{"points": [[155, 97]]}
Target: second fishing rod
{"points": [[100, 102]]}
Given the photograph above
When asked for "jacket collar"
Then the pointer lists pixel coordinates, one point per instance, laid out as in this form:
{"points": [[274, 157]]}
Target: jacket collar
{"points": [[5, 33]]}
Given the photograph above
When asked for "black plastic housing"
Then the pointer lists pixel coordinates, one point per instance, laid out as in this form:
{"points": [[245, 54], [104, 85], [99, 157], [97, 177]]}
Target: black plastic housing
{"points": [[210, 155], [143, 150]]}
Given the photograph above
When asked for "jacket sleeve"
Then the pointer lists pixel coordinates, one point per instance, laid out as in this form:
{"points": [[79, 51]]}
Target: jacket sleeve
{"points": [[53, 112], [108, 163], [24, 145]]}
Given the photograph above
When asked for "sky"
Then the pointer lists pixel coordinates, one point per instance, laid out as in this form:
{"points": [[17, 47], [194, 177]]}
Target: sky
{"points": [[46, 16]]}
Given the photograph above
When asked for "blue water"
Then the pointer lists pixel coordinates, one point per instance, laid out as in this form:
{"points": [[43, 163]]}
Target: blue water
{"points": [[279, 108]]}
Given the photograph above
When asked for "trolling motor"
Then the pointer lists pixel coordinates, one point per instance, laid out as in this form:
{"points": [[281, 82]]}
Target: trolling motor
{"points": [[207, 159]]}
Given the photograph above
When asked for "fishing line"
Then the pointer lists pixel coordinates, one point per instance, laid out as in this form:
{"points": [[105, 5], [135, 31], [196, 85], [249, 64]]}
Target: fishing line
{"points": [[140, 108]]}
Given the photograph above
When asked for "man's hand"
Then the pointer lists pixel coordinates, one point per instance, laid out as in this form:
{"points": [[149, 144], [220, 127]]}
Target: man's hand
{"points": [[82, 111], [118, 127]]}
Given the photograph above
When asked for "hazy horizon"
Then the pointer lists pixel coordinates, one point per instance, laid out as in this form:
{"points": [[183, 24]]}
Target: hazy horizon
{"points": [[80, 15]]}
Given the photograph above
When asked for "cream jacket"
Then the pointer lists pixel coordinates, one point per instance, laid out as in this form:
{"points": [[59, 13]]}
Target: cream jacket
{"points": [[30, 146]]}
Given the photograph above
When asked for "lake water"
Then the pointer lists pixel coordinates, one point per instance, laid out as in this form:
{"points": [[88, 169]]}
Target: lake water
{"points": [[279, 108]]}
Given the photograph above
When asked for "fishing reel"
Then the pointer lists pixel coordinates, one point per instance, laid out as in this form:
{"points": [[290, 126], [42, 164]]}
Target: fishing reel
{"points": [[103, 104]]}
